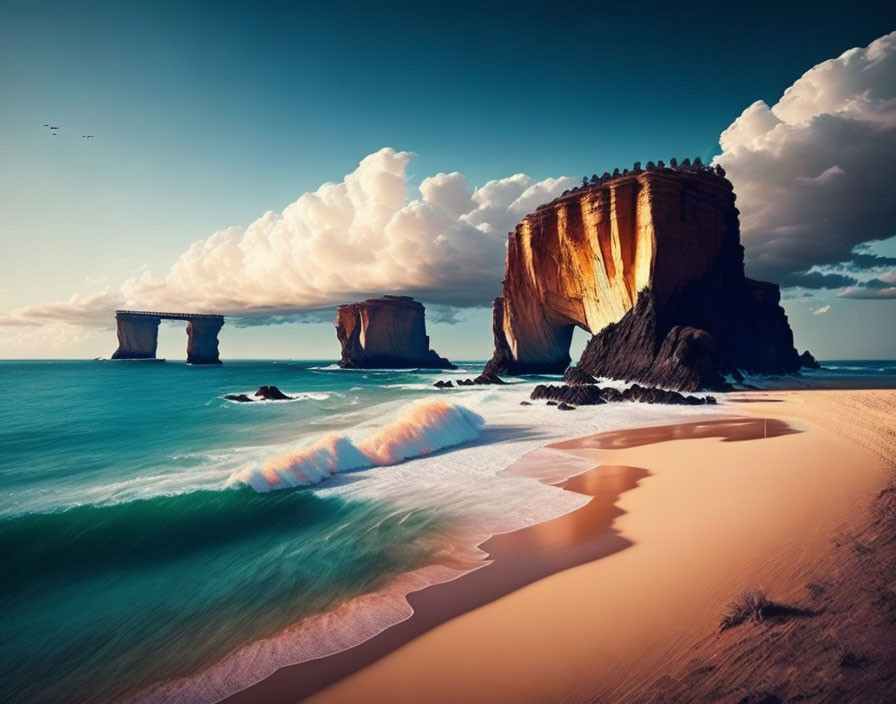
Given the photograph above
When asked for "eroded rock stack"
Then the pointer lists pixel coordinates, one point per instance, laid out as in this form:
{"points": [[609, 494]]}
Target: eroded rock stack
{"points": [[650, 263], [386, 333]]}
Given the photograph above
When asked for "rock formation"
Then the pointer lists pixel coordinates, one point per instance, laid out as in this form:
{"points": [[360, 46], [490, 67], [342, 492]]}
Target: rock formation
{"points": [[808, 361], [240, 398], [265, 393], [485, 379], [386, 333], [650, 263], [202, 339], [138, 336], [592, 395], [272, 393]]}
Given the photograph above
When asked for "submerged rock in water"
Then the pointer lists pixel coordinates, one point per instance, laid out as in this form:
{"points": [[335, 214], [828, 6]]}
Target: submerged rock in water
{"points": [[444, 384], [483, 379], [488, 378], [241, 398], [272, 393]]}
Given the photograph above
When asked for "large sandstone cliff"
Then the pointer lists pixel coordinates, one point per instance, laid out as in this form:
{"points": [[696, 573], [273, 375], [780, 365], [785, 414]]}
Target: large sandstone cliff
{"points": [[650, 263], [386, 333]]}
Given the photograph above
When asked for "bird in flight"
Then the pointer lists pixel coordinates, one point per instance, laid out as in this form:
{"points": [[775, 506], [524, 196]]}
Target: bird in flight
{"points": [[86, 136]]}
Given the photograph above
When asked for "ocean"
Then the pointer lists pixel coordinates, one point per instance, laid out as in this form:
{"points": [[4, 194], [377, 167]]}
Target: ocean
{"points": [[160, 542]]}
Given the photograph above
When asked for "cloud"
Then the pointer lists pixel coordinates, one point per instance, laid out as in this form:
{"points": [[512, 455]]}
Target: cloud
{"points": [[816, 279], [821, 311], [367, 235], [813, 173], [880, 288], [91, 310]]}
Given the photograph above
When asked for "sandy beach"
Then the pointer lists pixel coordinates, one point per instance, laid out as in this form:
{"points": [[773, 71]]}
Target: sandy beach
{"points": [[683, 519]]}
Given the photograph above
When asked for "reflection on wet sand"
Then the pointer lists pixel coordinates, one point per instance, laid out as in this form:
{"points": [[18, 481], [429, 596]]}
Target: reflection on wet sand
{"points": [[730, 430], [515, 560], [518, 558]]}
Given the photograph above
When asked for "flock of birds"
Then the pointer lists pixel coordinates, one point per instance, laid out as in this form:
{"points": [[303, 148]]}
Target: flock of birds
{"points": [[54, 128]]}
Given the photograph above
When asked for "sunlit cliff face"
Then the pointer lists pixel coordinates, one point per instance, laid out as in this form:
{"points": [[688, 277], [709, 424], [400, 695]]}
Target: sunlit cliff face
{"points": [[583, 259]]}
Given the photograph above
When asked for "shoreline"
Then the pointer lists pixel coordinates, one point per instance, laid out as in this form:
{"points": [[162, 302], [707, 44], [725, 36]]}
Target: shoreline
{"points": [[766, 512], [518, 558], [577, 537]]}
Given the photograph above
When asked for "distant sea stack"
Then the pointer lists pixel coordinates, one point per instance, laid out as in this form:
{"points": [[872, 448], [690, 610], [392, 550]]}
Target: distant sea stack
{"points": [[386, 333], [138, 335], [649, 262]]}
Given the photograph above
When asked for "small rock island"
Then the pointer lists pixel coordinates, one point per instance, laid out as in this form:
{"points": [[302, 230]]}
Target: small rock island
{"points": [[649, 261], [386, 333]]}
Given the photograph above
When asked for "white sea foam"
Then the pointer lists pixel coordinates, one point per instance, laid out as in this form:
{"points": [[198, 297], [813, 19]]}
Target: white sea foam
{"points": [[422, 428]]}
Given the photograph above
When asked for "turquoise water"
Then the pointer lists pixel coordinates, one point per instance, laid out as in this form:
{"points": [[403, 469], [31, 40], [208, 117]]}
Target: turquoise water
{"points": [[124, 560]]}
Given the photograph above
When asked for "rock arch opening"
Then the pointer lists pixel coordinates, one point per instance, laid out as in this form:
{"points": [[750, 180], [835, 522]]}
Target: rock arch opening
{"points": [[650, 263], [138, 335]]}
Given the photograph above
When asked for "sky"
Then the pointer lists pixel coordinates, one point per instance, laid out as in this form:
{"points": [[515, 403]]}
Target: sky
{"points": [[269, 161]]}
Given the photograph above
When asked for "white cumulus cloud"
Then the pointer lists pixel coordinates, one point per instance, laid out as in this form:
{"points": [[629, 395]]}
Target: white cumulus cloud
{"points": [[821, 311], [814, 172], [367, 235]]}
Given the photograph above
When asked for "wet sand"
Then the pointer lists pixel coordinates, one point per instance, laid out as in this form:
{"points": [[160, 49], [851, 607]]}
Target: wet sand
{"points": [[515, 559], [521, 557], [725, 505]]}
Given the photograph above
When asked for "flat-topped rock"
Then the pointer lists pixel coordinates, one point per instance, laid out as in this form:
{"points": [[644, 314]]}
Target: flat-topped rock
{"points": [[386, 333], [650, 263]]}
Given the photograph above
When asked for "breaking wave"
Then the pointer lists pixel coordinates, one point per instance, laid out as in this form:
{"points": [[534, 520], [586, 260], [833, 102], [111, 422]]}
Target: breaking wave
{"points": [[423, 427]]}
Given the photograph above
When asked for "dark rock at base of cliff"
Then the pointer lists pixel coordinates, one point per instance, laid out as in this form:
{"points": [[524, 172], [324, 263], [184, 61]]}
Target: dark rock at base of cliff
{"points": [[593, 395], [576, 377], [565, 407], [648, 345], [643, 394], [525, 403], [444, 385], [574, 395], [272, 393], [240, 398], [807, 361], [611, 395]]}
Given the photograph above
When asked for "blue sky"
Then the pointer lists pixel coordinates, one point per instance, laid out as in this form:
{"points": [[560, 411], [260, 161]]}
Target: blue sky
{"points": [[208, 115]]}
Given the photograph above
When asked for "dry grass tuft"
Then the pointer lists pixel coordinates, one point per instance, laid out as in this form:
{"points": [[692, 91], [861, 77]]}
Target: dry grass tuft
{"points": [[749, 606], [754, 606]]}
